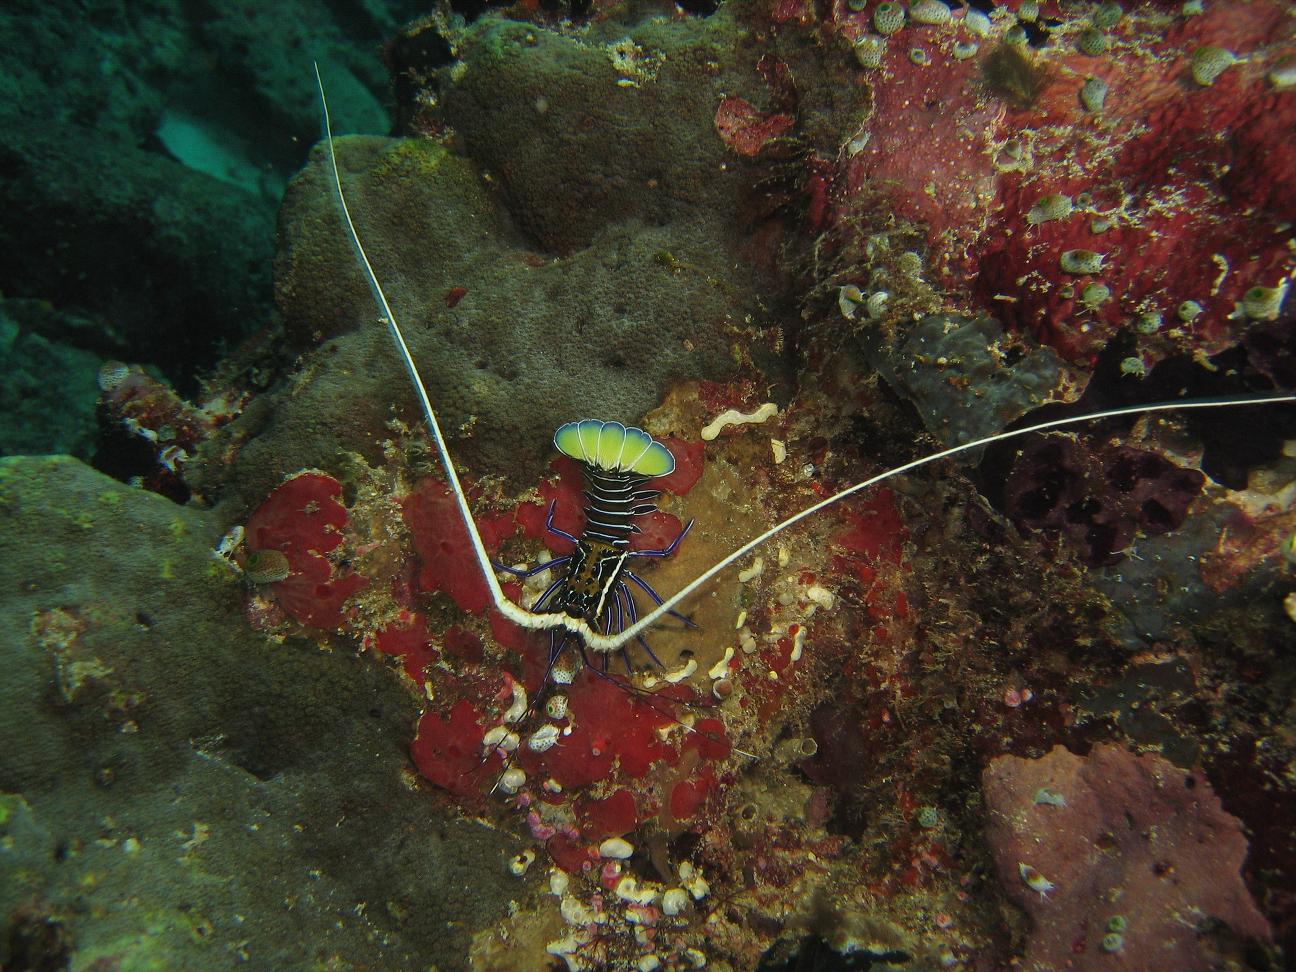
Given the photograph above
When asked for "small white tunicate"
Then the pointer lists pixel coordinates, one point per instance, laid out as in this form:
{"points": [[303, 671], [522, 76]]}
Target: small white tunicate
{"points": [[681, 673], [752, 572], [558, 881], [674, 901], [616, 848], [798, 644], [780, 451], [512, 779], [543, 739], [628, 889], [821, 596], [519, 707], [522, 863], [576, 912]]}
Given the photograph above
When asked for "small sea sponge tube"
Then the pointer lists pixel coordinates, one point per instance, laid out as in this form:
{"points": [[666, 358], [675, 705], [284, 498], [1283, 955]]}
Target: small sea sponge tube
{"points": [[1264, 303], [1048, 208], [1082, 261], [888, 17], [1208, 63], [266, 567], [869, 50]]}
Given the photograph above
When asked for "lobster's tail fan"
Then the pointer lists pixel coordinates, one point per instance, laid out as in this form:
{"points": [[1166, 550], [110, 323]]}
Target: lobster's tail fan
{"points": [[613, 447]]}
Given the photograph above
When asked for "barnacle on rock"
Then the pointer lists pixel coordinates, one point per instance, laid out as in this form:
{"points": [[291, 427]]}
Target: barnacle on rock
{"points": [[965, 49], [1189, 311], [1081, 261], [1094, 295], [1149, 322], [1283, 74], [1093, 42], [1208, 63], [929, 12], [1108, 15], [919, 56], [1093, 94], [977, 23], [869, 50], [266, 567], [910, 264], [1048, 208]]}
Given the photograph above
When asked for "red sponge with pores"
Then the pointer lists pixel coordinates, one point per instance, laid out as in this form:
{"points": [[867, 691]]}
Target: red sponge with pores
{"points": [[446, 561], [448, 751], [302, 518]]}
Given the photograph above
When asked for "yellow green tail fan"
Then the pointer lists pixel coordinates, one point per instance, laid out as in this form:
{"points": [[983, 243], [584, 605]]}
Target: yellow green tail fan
{"points": [[613, 447]]}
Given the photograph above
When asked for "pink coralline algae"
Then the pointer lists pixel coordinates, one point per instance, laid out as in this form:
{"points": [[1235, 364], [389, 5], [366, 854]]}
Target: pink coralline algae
{"points": [[1130, 860], [1178, 184]]}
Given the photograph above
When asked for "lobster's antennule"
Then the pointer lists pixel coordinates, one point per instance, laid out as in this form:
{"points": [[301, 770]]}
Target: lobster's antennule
{"points": [[502, 603], [613, 642]]}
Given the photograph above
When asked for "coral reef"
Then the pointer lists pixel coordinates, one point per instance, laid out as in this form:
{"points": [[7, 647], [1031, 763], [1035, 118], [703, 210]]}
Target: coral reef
{"points": [[1117, 855], [798, 244], [180, 792]]}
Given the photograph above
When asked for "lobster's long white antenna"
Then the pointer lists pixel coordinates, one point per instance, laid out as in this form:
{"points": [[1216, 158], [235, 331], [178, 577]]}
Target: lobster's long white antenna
{"points": [[612, 642], [601, 642], [512, 611]]}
